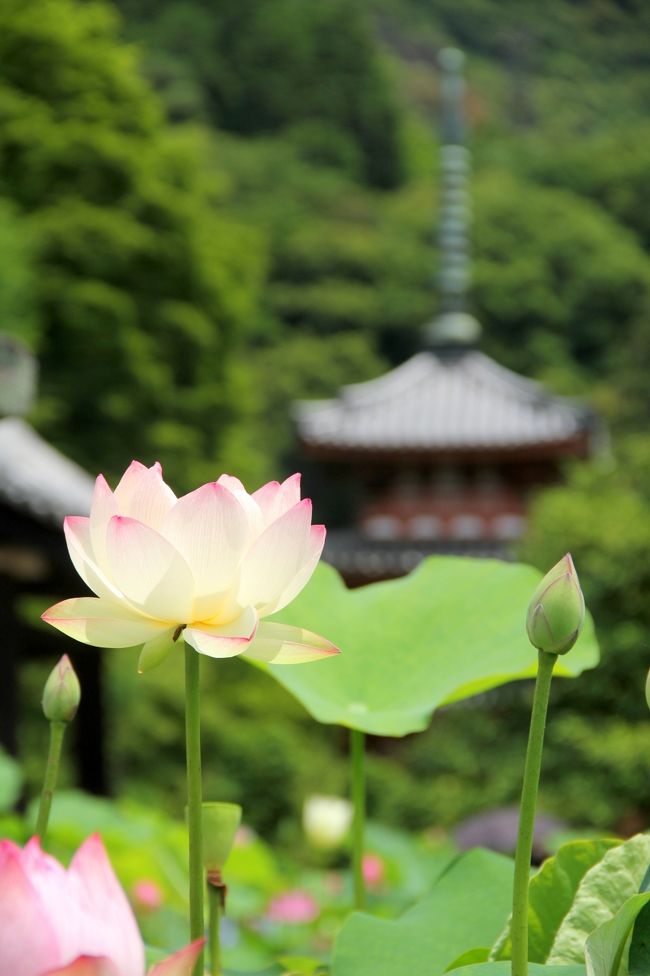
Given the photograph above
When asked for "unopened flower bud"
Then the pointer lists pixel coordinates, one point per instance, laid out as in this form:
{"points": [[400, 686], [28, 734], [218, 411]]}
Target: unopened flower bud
{"points": [[62, 692], [556, 611]]}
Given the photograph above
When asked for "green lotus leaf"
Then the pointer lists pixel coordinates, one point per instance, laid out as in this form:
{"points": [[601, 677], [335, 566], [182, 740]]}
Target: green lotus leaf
{"points": [[468, 904], [451, 629]]}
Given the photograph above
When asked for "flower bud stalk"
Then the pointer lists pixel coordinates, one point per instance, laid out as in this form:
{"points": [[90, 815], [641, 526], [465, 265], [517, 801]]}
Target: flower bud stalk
{"points": [[61, 696], [357, 756]]}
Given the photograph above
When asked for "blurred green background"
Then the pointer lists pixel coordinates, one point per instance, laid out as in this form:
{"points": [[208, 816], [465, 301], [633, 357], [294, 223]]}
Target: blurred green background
{"points": [[209, 210]]}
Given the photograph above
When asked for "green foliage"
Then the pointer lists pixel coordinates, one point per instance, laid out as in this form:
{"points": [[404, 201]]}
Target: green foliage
{"points": [[10, 781], [468, 904], [604, 947], [409, 644], [572, 286], [268, 65], [139, 287]]}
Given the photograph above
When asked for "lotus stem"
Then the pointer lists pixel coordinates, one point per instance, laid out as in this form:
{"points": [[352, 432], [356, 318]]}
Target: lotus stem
{"points": [[215, 908], [194, 798], [57, 731], [357, 755], [519, 923]]}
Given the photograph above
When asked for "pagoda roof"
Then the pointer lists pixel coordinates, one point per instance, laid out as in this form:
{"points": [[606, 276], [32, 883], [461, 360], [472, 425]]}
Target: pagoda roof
{"points": [[444, 401], [36, 479]]}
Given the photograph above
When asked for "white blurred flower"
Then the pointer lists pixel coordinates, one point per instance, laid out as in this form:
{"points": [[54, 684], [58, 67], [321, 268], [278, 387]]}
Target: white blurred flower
{"points": [[326, 820]]}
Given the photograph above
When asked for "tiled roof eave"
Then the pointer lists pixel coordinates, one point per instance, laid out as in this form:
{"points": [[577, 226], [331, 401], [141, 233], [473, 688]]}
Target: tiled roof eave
{"points": [[577, 446]]}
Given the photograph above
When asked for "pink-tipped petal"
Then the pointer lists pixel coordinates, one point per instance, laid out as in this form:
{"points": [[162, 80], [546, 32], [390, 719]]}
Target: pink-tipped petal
{"points": [[181, 963], [274, 499], [86, 966], [149, 571], [102, 624], [236, 488], [102, 509], [78, 536], [210, 529], [226, 640], [143, 495], [311, 555], [283, 644], [29, 945], [273, 561], [110, 928]]}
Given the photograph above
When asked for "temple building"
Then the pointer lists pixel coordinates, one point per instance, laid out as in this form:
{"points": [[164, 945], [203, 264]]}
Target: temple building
{"points": [[442, 454]]}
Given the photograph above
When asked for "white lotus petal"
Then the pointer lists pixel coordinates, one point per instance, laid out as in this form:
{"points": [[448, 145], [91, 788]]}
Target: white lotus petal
{"points": [[274, 499], [276, 557], [312, 554], [283, 644], [226, 640], [143, 495], [252, 509], [102, 624], [149, 571], [102, 510], [77, 532], [210, 529]]}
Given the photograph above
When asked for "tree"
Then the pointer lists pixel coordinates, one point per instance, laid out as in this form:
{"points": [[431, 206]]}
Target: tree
{"points": [[139, 286]]}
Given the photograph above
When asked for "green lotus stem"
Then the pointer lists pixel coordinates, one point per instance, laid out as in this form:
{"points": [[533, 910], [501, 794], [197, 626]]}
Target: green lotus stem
{"points": [[215, 897], [194, 798], [357, 755], [57, 731], [519, 923]]}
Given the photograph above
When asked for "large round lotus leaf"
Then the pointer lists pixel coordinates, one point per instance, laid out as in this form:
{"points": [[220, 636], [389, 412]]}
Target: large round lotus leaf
{"points": [[451, 629]]}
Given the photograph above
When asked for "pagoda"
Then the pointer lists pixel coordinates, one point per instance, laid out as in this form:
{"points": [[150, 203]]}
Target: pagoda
{"points": [[442, 454]]}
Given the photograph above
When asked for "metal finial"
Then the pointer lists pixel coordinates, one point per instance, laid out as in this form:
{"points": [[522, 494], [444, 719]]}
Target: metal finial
{"points": [[453, 326]]}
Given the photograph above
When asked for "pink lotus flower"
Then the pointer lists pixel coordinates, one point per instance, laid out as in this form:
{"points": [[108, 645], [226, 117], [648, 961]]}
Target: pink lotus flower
{"points": [[74, 922], [293, 908], [209, 565]]}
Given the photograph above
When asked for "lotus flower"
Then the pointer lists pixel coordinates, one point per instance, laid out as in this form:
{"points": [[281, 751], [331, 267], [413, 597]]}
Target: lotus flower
{"points": [[74, 922], [210, 566]]}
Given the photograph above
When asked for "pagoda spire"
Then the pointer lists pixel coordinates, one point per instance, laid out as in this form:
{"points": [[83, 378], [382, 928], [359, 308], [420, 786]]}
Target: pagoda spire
{"points": [[453, 326]]}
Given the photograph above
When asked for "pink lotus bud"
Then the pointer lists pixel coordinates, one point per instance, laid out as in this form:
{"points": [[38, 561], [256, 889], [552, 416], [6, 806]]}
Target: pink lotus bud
{"points": [[71, 922], [208, 567], [556, 611], [293, 908], [62, 692]]}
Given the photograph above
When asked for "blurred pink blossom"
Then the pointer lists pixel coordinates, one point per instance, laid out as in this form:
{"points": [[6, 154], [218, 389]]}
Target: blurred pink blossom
{"points": [[147, 895], [71, 922], [293, 908], [373, 869]]}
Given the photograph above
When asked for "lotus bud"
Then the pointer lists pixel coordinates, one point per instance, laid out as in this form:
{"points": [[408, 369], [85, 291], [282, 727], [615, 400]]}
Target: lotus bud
{"points": [[647, 689], [556, 611], [326, 820], [220, 824], [62, 692]]}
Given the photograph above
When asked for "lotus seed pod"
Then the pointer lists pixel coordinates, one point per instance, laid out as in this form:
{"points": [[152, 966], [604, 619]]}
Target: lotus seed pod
{"points": [[556, 611], [220, 824]]}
